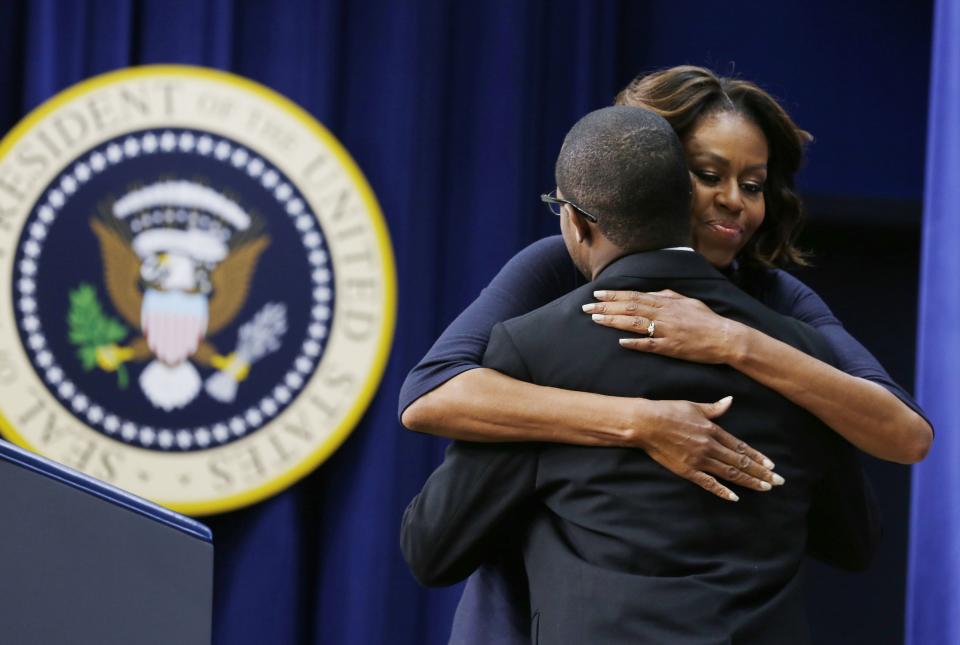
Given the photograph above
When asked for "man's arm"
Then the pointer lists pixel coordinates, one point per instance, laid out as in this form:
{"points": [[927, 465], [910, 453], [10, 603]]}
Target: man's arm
{"points": [[466, 503], [844, 520], [465, 506]]}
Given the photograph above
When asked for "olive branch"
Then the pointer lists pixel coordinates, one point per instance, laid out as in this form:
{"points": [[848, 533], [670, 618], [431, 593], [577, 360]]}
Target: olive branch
{"points": [[91, 329]]}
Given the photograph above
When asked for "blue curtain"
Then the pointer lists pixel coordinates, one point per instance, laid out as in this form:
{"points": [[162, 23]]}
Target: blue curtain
{"points": [[455, 112], [933, 592]]}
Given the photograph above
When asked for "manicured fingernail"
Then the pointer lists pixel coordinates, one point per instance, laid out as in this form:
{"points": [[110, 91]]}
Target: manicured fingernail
{"points": [[588, 307], [598, 316], [624, 341], [767, 464], [765, 486], [733, 497], [600, 294], [778, 480]]}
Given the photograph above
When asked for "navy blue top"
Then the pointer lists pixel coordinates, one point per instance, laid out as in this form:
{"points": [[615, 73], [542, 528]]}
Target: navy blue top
{"points": [[543, 272]]}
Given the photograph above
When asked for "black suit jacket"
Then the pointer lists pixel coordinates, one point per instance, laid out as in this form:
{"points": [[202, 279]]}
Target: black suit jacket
{"points": [[617, 549]]}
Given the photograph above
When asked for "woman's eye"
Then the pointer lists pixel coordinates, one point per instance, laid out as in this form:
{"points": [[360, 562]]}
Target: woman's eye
{"points": [[706, 177], [752, 187]]}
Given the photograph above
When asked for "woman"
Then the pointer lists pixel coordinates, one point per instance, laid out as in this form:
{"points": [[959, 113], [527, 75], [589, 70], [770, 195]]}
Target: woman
{"points": [[445, 395], [743, 151]]}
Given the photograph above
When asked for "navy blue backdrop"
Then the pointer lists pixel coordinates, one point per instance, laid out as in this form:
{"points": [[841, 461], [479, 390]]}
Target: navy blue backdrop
{"points": [[455, 111]]}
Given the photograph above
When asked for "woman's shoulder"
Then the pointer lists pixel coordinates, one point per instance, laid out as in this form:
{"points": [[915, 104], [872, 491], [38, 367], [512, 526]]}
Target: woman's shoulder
{"points": [[786, 294], [543, 267], [541, 272], [545, 252]]}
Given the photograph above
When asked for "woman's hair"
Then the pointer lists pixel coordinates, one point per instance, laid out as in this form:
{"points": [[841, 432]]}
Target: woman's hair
{"points": [[684, 94]]}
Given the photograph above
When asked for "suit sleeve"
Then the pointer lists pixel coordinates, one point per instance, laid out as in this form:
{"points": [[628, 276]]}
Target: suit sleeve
{"points": [[457, 519], [844, 520], [843, 523]]}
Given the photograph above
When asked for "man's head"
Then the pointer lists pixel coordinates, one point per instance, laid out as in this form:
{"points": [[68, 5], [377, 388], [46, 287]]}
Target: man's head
{"points": [[624, 165]]}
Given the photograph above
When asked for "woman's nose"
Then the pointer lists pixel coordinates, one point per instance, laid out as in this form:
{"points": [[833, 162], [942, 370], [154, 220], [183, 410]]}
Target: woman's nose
{"points": [[730, 197]]}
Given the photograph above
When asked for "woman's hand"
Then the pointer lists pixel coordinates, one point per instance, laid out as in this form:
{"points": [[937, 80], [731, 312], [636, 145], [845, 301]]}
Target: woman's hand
{"points": [[682, 327], [680, 436]]}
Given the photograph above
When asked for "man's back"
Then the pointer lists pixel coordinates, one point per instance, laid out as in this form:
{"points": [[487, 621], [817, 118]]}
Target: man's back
{"points": [[621, 550]]}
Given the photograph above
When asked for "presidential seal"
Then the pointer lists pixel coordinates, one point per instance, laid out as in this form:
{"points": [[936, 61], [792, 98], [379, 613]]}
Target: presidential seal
{"points": [[199, 287]]}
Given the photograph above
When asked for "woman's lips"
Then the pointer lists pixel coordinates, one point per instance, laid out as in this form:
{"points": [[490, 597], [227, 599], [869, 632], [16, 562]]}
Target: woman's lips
{"points": [[729, 230]]}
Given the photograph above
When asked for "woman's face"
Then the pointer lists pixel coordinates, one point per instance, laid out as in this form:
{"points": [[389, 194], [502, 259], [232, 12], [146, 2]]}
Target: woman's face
{"points": [[727, 156]]}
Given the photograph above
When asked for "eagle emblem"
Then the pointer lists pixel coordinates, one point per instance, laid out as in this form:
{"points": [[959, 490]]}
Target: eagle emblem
{"points": [[178, 257]]}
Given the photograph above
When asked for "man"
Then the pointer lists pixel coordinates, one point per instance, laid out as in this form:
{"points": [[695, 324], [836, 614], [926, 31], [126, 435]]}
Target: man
{"points": [[616, 549]]}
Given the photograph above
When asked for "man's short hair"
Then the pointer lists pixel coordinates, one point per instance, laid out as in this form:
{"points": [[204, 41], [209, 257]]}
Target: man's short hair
{"points": [[626, 166]]}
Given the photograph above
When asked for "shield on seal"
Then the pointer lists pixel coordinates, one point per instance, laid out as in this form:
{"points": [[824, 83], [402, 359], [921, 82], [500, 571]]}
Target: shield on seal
{"points": [[173, 323]]}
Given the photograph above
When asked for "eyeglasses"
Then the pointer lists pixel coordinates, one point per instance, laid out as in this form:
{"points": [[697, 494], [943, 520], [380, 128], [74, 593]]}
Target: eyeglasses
{"points": [[555, 204]]}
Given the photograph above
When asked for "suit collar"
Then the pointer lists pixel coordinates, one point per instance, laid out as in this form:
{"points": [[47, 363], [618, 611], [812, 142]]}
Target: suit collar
{"points": [[661, 264]]}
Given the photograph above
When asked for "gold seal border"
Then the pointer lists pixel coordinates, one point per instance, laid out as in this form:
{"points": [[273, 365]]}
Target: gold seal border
{"points": [[385, 335]]}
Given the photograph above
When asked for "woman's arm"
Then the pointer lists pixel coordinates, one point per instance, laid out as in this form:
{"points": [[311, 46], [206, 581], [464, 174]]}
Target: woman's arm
{"points": [[484, 405], [448, 394], [863, 412], [536, 275], [857, 407]]}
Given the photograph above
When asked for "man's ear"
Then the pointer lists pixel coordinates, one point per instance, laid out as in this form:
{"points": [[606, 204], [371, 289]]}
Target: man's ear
{"points": [[581, 227]]}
